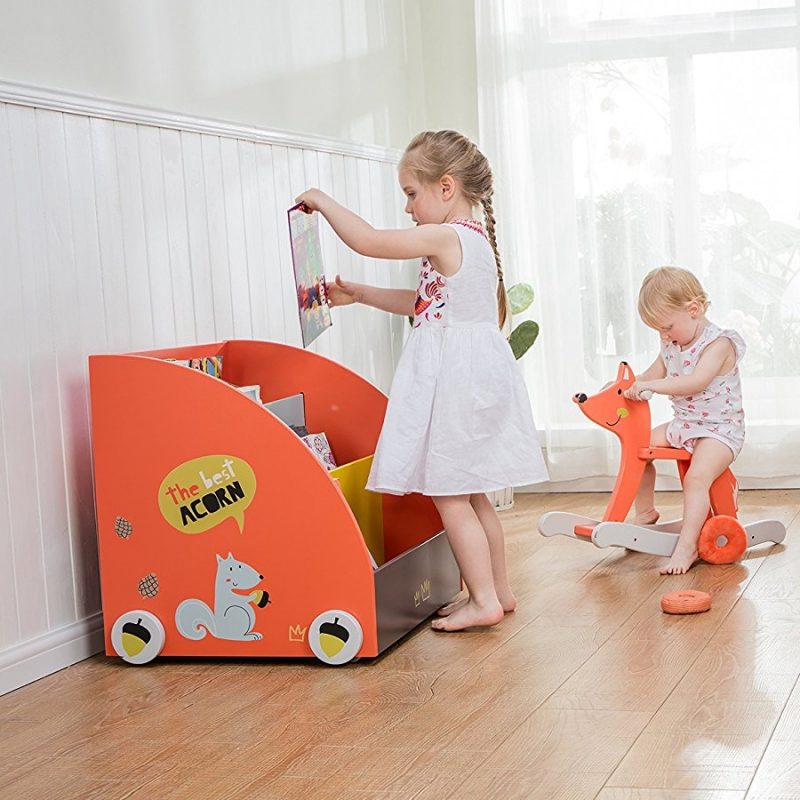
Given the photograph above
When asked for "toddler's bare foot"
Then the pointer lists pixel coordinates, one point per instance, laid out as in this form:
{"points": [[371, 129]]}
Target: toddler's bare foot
{"points": [[507, 601], [681, 560], [649, 517], [470, 615]]}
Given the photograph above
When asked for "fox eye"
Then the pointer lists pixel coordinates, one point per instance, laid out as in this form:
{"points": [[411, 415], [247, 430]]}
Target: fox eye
{"points": [[619, 391]]}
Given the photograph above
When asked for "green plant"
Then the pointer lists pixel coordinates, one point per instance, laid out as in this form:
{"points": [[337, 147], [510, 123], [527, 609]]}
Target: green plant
{"points": [[521, 339]]}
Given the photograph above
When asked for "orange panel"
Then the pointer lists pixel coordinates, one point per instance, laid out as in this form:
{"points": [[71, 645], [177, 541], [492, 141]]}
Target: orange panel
{"points": [[192, 476], [149, 418]]}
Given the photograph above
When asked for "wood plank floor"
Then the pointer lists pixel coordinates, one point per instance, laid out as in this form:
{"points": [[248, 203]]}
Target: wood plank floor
{"points": [[587, 691]]}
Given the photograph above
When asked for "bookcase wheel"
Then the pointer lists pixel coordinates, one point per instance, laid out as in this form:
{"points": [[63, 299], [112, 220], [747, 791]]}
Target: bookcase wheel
{"points": [[137, 636], [335, 637]]}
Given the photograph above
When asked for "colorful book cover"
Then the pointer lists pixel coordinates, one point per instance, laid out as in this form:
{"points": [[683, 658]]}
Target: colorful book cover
{"points": [[318, 444], [309, 275]]}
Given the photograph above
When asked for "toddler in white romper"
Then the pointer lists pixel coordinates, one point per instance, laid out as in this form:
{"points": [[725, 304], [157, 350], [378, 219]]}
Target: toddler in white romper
{"points": [[716, 412]]}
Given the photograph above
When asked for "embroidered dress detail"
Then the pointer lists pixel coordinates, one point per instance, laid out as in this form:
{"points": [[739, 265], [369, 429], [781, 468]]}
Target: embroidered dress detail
{"points": [[717, 411], [459, 418], [473, 225], [431, 296]]}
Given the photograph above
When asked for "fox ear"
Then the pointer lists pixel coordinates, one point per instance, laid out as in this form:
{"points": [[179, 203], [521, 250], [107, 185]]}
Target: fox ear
{"points": [[623, 365]]}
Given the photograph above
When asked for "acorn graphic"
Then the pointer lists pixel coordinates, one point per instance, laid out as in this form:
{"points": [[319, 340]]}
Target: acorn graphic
{"points": [[259, 598], [333, 637], [134, 637]]}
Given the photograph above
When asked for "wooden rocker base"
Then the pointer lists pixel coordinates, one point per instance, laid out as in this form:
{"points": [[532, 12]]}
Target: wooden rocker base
{"points": [[656, 540]]}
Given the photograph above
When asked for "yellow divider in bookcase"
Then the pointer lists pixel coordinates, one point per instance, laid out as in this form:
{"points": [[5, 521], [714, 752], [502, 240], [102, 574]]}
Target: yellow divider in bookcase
{"points": [[367, 507]]}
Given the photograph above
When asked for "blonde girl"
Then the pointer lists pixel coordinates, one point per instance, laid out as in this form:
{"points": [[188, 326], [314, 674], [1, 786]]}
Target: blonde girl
{"points": [[459, 421]]}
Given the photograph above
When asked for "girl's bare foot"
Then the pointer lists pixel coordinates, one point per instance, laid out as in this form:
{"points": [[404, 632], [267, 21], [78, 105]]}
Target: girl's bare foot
{"points": [[470, 615], [446, 611], [649, 517], [507, 601], [681, 560]]}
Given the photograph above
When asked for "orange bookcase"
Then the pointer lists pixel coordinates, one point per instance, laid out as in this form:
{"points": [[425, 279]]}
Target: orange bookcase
{"points": [[221, 534]]}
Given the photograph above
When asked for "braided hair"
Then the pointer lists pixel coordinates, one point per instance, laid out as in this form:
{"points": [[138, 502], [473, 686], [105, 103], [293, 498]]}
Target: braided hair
{"points": [[432, 154]]}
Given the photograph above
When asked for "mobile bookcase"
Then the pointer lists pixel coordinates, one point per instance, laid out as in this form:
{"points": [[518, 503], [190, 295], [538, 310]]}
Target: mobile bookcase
{"points": [[220, 533]]}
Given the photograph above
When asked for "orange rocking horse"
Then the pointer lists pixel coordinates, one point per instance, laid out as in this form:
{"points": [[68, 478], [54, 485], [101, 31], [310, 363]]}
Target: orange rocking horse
{"points": [[723, 538]]}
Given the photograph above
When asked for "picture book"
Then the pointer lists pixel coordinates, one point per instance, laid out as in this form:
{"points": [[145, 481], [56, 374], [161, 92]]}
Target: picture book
{"points": [[309, 275]]}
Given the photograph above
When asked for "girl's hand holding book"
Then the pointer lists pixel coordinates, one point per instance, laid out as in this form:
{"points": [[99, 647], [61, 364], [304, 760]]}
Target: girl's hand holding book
{"points": [[343, 293], [311, 199]]}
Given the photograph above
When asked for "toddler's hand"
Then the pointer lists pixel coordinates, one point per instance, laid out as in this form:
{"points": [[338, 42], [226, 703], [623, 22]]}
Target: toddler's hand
{"points": [[312, 199], [342, 293], [638, 391]]}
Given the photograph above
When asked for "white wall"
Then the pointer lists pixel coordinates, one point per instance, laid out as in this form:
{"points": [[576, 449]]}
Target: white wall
{"points": [[447, 30], [357, 70], [124, 229]]}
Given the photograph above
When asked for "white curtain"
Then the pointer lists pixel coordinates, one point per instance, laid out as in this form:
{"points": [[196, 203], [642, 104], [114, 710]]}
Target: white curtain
{"points": [[630, 134]]}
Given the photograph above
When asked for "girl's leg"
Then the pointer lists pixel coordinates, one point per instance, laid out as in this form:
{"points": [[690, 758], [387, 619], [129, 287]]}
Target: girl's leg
{"points": [[644, 504], [493, 528], [470, 546], [709, 460]]}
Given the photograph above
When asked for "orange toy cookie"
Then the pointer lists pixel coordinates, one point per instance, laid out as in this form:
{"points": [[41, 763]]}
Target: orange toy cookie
{"points": [[687, 601], [723, 540]]}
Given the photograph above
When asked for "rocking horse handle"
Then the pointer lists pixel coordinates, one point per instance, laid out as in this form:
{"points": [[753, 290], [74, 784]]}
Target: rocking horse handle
{"points": [[646, 394]]}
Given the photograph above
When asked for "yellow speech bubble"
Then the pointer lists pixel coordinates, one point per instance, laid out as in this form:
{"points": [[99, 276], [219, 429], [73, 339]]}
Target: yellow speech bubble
{"points": [[200, 494]]}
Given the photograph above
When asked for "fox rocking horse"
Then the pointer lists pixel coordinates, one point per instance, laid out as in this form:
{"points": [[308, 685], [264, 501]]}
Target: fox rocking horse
{"points": [[723, 538]]}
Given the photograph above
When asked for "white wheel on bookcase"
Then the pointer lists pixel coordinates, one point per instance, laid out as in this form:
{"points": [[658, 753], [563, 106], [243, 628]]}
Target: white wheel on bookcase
{"points": [[335, 637]]}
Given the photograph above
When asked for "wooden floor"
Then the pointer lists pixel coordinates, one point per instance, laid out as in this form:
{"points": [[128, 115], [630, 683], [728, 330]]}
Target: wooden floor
{"points": [[587, 691]]}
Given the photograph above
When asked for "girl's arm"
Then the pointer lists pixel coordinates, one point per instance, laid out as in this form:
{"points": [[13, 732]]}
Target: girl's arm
{"points": [[395, 301], [711, 364], [437, 242]]}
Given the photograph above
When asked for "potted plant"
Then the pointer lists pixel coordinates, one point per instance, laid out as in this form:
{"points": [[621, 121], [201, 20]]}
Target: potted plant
{"points": [[521, 339]]}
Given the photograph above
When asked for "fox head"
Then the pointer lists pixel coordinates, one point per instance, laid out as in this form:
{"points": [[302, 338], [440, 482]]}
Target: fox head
{"points": [[628, 419]]}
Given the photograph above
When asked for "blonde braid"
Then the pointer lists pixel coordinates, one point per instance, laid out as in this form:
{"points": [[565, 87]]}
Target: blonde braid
{"points": [[502, 298]]}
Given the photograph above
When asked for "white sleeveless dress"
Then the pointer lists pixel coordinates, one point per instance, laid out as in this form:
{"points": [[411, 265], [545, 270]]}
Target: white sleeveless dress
{"points": [[459, 418], [717, 411]]}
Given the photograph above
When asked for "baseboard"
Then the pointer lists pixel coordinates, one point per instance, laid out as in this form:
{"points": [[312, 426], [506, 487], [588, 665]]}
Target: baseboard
{"points": [[27, 662]]}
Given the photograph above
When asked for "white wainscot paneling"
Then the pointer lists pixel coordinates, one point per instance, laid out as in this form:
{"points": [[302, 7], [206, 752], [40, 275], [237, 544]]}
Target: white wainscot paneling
{"points": [[125, 229]]}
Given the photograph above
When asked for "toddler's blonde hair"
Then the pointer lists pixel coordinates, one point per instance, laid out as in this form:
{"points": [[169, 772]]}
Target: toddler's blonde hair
{"points": [[666, 289], [430, 155]]}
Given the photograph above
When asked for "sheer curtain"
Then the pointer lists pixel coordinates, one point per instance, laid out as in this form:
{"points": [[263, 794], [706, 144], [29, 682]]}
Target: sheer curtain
{"points": [[629, 134]]}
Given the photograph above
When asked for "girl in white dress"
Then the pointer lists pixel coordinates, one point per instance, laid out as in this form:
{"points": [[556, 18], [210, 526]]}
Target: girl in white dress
{"points": [[698, 367], [459, 421]]}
